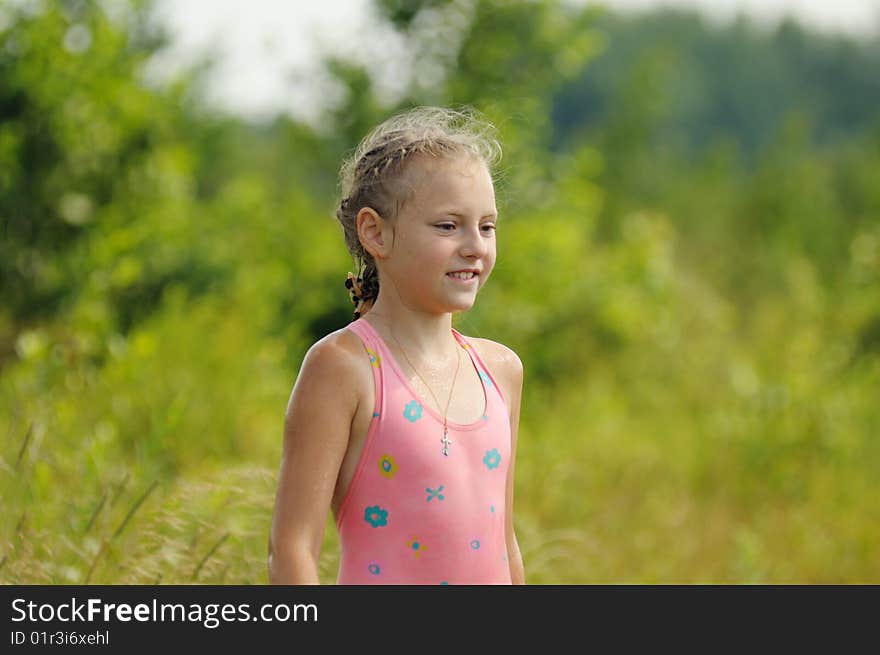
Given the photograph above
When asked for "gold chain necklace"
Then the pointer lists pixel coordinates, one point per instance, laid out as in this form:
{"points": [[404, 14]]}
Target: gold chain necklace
{"points": [[445, 440]]}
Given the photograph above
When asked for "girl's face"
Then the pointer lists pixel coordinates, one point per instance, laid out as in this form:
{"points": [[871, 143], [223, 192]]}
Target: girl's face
{"points": [[447, 225]]}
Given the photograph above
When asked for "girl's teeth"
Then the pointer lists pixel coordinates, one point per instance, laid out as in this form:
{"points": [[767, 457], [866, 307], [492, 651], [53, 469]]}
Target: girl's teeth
{"points": [[462, 276]]}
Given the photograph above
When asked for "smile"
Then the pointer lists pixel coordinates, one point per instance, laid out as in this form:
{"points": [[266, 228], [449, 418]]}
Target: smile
{"points": [[463, 278]]}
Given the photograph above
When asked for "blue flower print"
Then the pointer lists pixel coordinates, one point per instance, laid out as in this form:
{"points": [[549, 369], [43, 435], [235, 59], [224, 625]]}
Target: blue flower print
{"points": [[485, 377], [376, 516], [435, 493], [413, 411], [374, 569], [475, 544], [492, 459]]}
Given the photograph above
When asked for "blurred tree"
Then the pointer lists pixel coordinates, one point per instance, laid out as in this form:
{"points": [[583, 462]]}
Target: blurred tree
{"points": [[74, 119], [97, 171], [737, 80]]}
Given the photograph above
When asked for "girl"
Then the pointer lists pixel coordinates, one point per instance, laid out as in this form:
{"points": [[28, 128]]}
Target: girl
{"points": [[400, 424]]}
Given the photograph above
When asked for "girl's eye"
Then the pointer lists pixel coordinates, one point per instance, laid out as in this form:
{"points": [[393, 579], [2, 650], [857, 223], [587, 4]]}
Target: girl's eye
{"points": [[443, 226]]}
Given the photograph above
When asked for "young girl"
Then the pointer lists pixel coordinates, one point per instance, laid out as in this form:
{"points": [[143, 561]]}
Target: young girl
{"points": [[400, 424]]}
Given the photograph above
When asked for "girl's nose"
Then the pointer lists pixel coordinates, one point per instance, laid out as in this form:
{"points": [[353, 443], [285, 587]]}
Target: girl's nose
{"points": [[475, 243]]}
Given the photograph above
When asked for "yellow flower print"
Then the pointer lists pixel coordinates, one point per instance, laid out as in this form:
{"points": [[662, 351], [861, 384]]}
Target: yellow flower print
{"points": [[416, 546], [375, 359], [387, 467]]}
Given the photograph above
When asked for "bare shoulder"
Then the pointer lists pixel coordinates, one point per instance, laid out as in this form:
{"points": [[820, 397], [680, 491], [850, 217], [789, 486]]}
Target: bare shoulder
{"points": [[337, 359], [344, 343], [503, 362], [498, 354]]}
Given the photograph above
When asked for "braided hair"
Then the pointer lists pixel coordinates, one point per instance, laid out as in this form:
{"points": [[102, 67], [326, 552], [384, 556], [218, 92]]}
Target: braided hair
{"points": [[375, 175]]}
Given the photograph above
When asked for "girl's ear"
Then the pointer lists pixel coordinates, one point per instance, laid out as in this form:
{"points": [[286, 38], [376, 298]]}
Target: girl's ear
{"points": [[373, 231]]}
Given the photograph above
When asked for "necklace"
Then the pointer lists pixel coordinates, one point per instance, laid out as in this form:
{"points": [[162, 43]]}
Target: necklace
{"points": [[445, 440]]}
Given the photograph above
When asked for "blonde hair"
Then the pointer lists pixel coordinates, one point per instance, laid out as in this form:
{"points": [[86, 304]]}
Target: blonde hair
{"points": [[375, 175]]}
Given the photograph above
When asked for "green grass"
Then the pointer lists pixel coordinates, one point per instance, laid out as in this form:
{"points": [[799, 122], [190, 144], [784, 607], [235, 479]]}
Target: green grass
{"points": [[719, 457]]}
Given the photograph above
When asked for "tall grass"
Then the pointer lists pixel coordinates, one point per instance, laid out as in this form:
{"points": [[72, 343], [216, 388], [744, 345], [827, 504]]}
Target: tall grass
{"points": [[723, 449]]}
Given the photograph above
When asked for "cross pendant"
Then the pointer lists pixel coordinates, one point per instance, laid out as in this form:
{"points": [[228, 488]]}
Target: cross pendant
{"points": [[445, 440]]}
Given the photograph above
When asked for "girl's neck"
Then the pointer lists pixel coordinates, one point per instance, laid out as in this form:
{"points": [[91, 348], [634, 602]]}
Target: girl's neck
{"points": [[427, 337]]}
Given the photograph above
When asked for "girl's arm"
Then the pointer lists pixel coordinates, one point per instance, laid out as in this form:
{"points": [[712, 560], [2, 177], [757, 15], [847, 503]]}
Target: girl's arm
{"points": [[514, 369], [317, 425]]}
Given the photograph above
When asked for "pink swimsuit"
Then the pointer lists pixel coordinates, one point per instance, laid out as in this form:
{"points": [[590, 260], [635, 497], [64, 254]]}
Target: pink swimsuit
{"points": [[412, 515]]}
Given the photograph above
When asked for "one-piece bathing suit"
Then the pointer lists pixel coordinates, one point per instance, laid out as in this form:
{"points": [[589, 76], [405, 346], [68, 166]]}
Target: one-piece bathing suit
{"points": [[411, 514]]}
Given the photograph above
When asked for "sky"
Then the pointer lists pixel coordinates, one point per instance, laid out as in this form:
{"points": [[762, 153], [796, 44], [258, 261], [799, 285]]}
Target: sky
{"points": [[267, 50]]}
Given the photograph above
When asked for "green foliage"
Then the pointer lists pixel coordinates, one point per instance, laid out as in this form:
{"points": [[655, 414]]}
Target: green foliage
{"points": [[737, 80], [688, 267], [80, 137]]}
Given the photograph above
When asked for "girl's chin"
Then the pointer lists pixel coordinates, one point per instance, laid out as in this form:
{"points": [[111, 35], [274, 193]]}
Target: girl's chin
{"points": [[451, 305], [462, 306]]}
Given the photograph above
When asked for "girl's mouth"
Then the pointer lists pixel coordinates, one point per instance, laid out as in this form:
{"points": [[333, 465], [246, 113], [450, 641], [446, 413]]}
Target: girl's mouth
{"points": [[463, 278]]}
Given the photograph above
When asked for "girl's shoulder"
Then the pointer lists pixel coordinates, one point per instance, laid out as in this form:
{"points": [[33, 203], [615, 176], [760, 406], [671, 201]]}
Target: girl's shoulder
{"points": [[346, 341], [496, 353], [341, 353], [502, 362]]}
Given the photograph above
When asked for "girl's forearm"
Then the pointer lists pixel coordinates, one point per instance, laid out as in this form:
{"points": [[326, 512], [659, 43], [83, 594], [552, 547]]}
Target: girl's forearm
{"points": [[517, 572], [293, 568]]}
